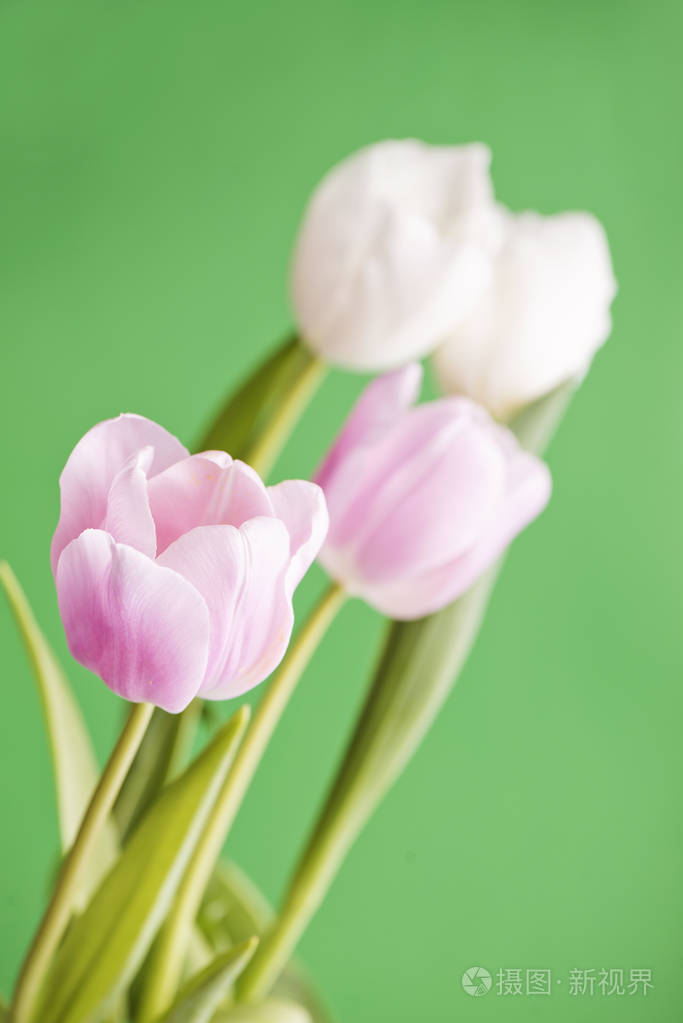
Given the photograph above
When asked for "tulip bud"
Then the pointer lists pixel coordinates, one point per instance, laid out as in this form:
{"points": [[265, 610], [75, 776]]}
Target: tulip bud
{"points": [[175, 573], [393, 251], [422, 500], [542, 318]]}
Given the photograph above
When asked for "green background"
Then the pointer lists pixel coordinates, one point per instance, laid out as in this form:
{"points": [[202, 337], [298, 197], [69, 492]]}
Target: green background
{"points": [[156, 157]]}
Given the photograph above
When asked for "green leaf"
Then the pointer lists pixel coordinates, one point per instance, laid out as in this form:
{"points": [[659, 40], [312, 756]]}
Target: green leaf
{"points": [[199, 955], [107, 944], [199, 1000], [161, 753], [199, 951], [233, 909], [274, 1010], [535, 425], [259, 418], [75, 768], [418, 667]]}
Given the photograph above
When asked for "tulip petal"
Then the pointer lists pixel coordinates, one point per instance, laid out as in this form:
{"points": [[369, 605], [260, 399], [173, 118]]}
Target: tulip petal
{"points": [[205, 490], [141, 627], [301, 506], [408, 294], [392, 251], [447, 494], [361, 491], [542, 319], [241, 573], [527, 493], [92, 466], [423, 499], [129, 519], [382, 404]]}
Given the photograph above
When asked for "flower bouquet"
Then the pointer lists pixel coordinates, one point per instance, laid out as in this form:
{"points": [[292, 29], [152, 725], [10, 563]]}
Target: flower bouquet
{"points": [[176, 575]]}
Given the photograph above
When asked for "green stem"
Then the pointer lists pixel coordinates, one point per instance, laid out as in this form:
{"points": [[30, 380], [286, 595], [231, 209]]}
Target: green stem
{"points": [[259, 417], [170, 950], [59, 910], [305, 895], [412, 680], [267, 446], [162, 754]]}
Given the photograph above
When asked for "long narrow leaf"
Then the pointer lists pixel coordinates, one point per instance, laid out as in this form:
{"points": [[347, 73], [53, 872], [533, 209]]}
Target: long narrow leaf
{"points": [[160, 753], [200, 999], [258, 419], [73, 760], [107, 944]]}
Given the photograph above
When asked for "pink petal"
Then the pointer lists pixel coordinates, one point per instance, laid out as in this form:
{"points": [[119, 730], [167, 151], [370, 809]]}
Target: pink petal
{"points": [[92, 466], [141, 627], [241, 574], [302, 508], [129, 519], [205, 490], [527, 492], [381, 405], [435, 504], [361, 491]]}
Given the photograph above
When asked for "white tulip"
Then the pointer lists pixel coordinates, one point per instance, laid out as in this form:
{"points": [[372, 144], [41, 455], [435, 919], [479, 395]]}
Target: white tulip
{"points": [[542, 318], [393, 252]]}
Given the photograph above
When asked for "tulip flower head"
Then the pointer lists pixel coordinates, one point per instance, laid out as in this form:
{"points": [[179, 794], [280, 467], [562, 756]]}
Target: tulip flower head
{"points": [[422, 499], [393, 251], [541, 320], [175, 572]]}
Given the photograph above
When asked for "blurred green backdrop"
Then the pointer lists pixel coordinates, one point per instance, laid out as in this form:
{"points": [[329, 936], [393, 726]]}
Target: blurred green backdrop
{"points": [[156, 157]]}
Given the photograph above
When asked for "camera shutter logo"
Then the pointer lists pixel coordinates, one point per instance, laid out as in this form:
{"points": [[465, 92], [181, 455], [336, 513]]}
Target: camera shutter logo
{"points": [[476, 981]]}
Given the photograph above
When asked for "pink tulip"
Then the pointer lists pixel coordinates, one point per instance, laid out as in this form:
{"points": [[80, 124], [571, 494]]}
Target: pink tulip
{"points": [[423, 499], [175, 572]]}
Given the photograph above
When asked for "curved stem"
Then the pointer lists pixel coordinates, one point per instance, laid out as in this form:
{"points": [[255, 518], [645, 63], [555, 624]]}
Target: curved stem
{"points": [[265, 449], [171, 947], [259, 417], [306, 893], [59, 910], [417, 670]]}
